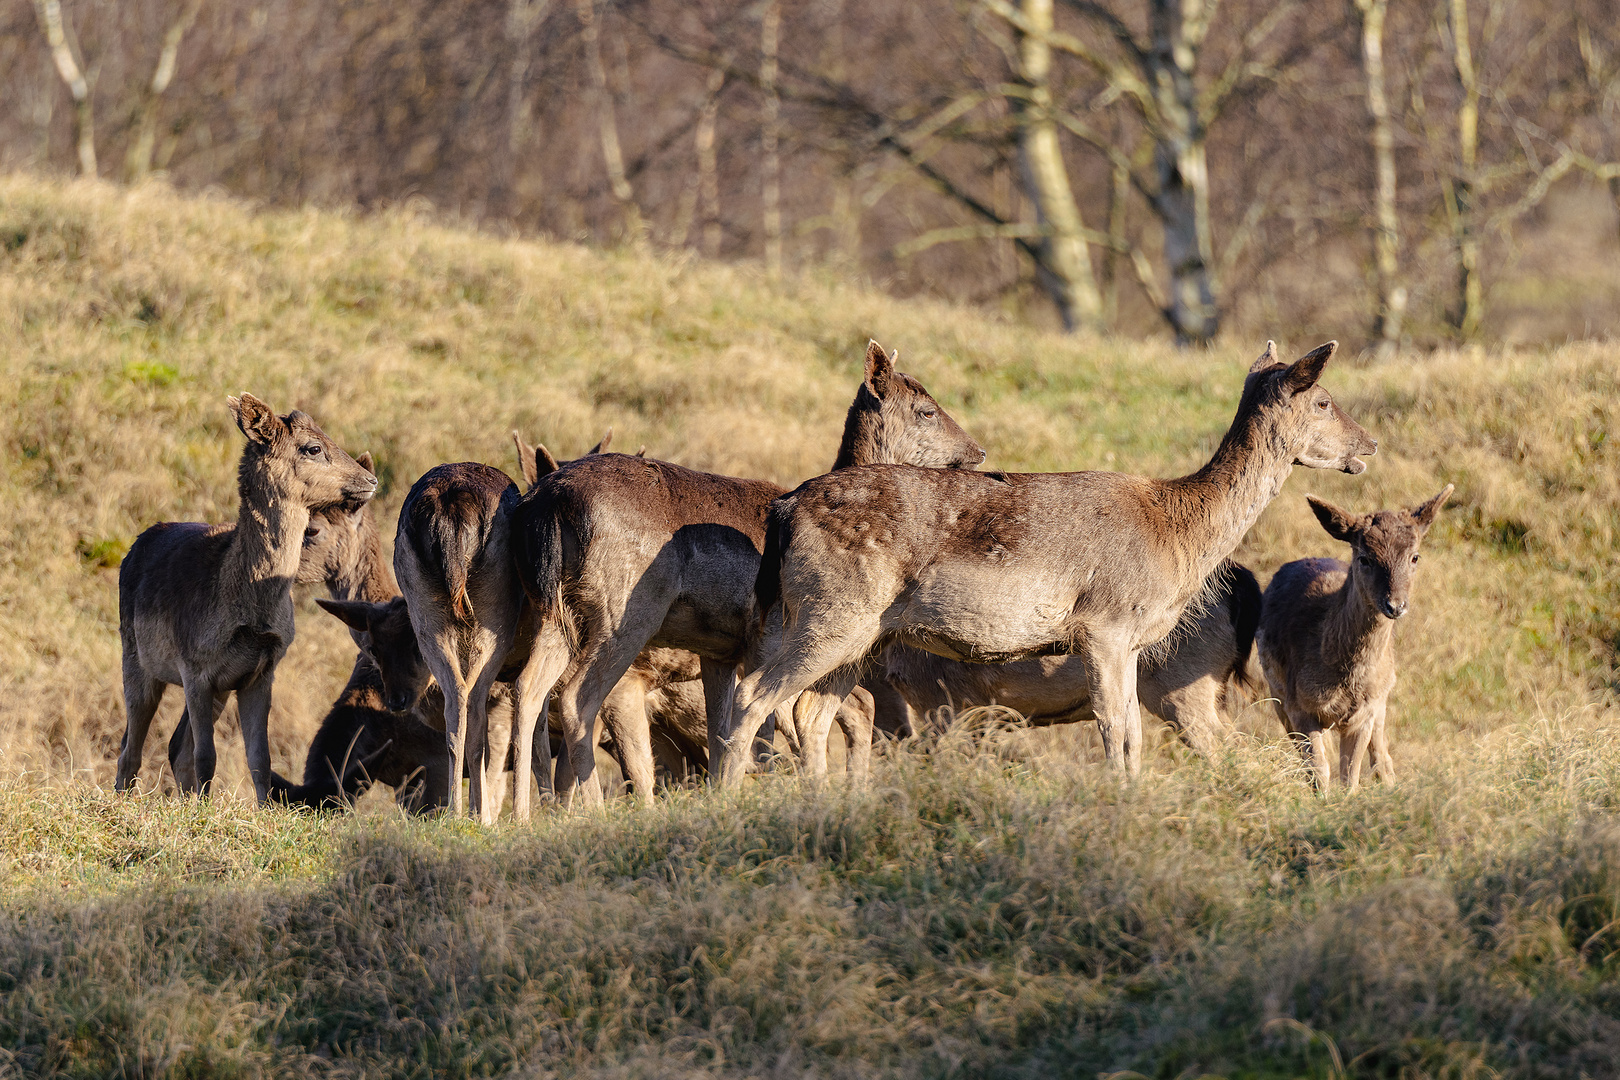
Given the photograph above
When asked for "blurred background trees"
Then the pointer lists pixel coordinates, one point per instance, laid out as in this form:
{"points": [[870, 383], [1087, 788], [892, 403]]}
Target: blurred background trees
{"points": [[1377, 170]]}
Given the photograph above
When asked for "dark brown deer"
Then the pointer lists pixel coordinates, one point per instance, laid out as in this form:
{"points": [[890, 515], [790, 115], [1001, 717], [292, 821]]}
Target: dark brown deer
{"points": [[343, 551], [468, 610], [619, 553], [209, 607], [1182, 681], [995, 567], [1327, 636]]}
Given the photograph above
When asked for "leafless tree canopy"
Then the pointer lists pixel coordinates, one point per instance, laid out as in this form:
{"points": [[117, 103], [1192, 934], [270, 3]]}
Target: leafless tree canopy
{"points": [[1144, 165]]}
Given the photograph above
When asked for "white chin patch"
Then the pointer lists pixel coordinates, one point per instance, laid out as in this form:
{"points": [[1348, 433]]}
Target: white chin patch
{"points": [[1355, 466]]}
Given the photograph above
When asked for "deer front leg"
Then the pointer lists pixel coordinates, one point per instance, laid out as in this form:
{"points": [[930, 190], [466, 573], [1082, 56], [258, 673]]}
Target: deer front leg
{"points": [[857, 716], [1111, 665], [624, 715], [813, 715], [1383, 765], [253, 710], [142, 696], [1354, 739], [1308, 735], [200, 707]]}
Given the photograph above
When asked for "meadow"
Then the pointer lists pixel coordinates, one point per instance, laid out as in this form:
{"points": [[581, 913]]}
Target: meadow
{"points": [[1001, 907]]}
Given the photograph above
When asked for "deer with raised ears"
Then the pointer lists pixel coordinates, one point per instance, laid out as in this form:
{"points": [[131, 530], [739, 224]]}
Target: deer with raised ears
{"points": [[209, 607], [619, 553], [991, 567], [1327, 636], [1182, 681]]}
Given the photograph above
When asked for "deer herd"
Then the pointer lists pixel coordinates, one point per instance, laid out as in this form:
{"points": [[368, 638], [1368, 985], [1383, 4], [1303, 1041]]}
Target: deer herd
{"points": [[689, 618]]}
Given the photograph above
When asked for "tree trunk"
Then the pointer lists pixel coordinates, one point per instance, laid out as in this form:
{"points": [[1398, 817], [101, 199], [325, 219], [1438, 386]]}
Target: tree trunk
{"points": [[84, 127], [1391, 298], [522, 17], [138, 161], [608, 123], [1064, 264], [1182, 196], [1470, 310], [708, 165], [770, 32]]}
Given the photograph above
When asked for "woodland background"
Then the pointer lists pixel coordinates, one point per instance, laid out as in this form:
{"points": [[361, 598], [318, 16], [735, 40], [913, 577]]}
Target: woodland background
{"points": [[1383, 171]]}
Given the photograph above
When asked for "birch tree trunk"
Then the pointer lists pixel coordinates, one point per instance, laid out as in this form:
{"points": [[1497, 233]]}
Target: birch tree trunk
{"points": [[138, 160], [1064, 264], [708, 165], [1391, 294], [84, 127], [1182, 196], [608, 123], [1470, 310], [770, 32]]}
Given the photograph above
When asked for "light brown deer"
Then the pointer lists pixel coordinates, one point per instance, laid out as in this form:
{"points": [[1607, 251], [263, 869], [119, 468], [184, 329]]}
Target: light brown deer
{"points": [[1327, 636], [992, 567], [209, 607], [619, 553], [1182, 681]]}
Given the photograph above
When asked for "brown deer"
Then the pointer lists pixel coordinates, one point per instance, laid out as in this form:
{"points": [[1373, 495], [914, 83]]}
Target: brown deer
{"points": [[467, 610], [619, 553], [209, 607], [1182, 681], [992, 567], [1327, 636], [343, 551]]}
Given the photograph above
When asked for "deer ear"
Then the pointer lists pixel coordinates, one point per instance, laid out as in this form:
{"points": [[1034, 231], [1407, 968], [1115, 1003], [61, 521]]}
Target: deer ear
{"points": [[1267, 358], [601, 447], [879, 370], [1340, 524], [257, 420], [354, 613], [1424, 515], [1303, 373], [365, 462]]}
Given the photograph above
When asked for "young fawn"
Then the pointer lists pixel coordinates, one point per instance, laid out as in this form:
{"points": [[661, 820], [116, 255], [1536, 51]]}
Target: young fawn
{"points": [[1327, 635]]}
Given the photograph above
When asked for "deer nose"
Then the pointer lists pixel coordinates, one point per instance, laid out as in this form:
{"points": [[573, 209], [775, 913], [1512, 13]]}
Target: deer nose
{"points": [[1394, 610], [396, 703]]}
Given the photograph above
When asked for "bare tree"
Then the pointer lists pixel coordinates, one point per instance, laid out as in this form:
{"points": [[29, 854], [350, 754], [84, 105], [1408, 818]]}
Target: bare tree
{"points": [[770, 33], [1390, 299], [138, 160], [72, 72], [608, 122]]}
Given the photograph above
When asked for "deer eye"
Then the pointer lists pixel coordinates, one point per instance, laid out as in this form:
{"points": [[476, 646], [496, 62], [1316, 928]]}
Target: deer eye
{"points": [[1414, 560], [313, 449], [928, 414], [1364, 560], [1323, 404]]}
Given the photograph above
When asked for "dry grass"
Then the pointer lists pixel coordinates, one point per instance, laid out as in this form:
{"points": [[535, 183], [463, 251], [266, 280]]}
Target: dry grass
{"points": [[999, 911]]}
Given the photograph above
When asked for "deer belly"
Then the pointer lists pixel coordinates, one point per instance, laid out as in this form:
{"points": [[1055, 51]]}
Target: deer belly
{"points": [[988, 618]]}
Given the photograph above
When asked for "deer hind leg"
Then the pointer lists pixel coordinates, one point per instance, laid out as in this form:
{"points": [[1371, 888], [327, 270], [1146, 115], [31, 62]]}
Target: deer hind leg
{"points": [[719, 688], [486, 763], [142, 696], [604, 656], [624, 715], [857, 716], [1192, 711], [1111, 666], [814, 713], [804, 655], [545, 665]]}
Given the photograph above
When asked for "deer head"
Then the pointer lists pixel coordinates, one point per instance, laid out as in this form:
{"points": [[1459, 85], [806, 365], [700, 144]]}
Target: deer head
{"points": [[1384, 547]]}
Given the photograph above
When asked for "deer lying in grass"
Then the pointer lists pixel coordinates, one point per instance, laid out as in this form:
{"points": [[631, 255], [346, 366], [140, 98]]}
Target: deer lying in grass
{"points": [[1327, 635], [1181, 681], [618, 554], [992, 567], [209, 607]]}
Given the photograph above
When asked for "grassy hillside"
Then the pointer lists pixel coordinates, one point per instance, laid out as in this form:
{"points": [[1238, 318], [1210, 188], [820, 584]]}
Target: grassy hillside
{"points": [[1003, 912]]}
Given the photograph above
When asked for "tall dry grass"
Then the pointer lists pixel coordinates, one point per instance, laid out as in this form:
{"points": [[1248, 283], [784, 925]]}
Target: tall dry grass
{"points": [[991, 908]]}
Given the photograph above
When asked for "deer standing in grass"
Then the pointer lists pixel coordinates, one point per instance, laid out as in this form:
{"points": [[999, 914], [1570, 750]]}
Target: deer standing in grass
{"points": [[209, 607], [992, 567], [1327, 636], [1182, 681], [618, 553]]}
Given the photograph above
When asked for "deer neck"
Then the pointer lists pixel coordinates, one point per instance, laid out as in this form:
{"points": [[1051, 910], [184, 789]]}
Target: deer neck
{"points": [[863, 442], [1209, 511], [370, 578], [269, 540], [1355, 635]]}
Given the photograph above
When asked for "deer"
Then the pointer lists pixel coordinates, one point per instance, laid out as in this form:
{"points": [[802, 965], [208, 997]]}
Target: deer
{"points": [[619, 553], [467, 610], [1327, 636], [342, 549], [1182, 681], [209, 607], [994, 567]]}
